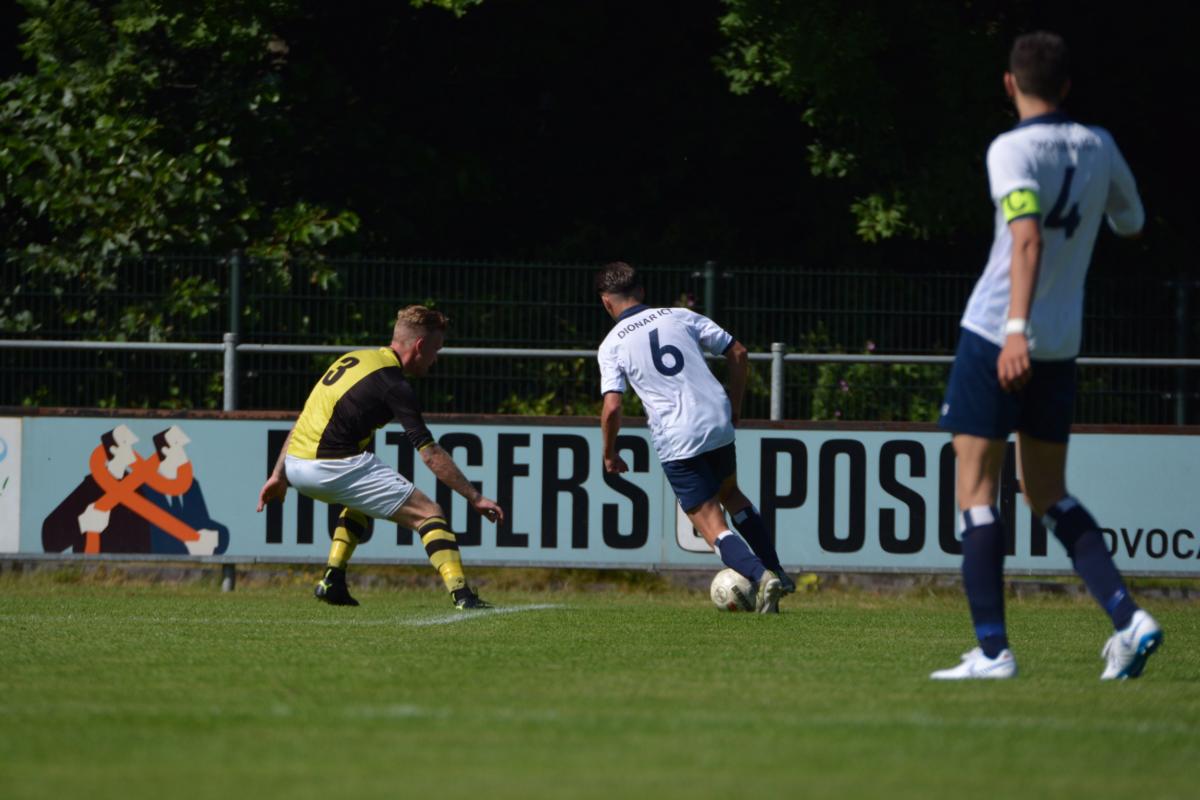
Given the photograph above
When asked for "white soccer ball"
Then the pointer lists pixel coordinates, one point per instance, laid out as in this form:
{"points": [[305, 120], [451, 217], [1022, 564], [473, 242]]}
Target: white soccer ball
{"points": [[731, 591]]}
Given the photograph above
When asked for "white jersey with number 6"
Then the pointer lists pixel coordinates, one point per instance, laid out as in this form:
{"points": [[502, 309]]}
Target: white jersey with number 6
{"points": [[1071, 176], [660, 352]]}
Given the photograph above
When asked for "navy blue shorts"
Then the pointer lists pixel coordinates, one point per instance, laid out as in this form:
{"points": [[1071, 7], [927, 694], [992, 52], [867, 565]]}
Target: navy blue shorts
{"points": [[698, 478], [976, 405]]}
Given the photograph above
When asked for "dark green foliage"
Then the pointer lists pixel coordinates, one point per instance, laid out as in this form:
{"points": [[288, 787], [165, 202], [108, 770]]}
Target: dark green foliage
{"points": [[136, 130], [896, 95]]}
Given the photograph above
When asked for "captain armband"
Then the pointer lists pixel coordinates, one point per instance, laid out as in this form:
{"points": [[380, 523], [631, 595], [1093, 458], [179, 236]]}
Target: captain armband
{"points": [[1020, 203]]}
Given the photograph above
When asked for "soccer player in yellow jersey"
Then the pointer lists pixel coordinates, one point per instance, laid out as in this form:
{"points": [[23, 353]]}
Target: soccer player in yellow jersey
{"points": [[326, 458]]}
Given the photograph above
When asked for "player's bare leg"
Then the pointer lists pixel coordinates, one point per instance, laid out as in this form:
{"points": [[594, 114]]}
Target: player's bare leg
{"points": [[1043, 480], [709, 519], [1042, 469], [441, 546], [979, 463]]}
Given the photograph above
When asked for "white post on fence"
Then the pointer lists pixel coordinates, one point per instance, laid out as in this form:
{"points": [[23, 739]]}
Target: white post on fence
{"points": [[229, 344], [777, 349]]}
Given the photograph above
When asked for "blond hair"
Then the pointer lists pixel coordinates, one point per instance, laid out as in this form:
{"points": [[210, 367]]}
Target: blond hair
{"points": [[417, 321]]}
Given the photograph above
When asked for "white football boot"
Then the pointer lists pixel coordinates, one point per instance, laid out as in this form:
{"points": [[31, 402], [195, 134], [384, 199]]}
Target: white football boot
{"points": [[976, 665], [770, 589], [1126, 651]]}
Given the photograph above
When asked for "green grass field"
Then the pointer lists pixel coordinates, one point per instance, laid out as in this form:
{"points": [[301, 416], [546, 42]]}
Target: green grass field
{"points": [[169, 691]]}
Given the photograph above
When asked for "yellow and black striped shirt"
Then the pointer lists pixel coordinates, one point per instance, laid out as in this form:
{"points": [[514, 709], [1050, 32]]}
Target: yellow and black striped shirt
{"points": [[361, 392]]}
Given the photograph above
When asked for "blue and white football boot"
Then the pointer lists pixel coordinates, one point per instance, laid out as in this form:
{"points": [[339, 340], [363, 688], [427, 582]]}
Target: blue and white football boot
{"points": [[975, 665], [1126, 651]]}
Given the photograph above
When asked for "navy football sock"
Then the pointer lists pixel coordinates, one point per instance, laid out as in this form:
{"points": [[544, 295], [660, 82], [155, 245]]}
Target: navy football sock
{"points": [[983, 576], [1079, 533], [752, 528], [737, 556]]}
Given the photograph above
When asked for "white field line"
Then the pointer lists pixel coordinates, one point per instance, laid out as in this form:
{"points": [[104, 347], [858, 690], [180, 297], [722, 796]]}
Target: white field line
{"points": [[463, 616], [442, 619]]}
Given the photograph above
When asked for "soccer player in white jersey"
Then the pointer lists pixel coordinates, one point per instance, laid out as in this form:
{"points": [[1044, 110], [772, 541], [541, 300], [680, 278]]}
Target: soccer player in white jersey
{"points": [[1052, 181], [660, 352]]}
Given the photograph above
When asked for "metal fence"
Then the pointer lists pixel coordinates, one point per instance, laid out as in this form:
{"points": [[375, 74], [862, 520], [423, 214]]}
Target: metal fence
{"points": [[497, 304]]}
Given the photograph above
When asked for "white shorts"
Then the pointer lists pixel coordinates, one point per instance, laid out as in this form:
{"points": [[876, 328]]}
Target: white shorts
{"points": [[361, 482]]}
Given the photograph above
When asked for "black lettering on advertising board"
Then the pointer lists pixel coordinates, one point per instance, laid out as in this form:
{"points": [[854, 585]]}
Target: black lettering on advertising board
{"points": [[947, 503], [770, 499], [507, 471], [856, 532], [274, 521], [1156, 543], [640, 531], [905, 468], [888, 538], [450, 442], [572, 484]]}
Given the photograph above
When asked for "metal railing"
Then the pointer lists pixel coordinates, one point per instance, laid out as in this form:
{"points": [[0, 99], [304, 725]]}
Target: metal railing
{"points": [[778, 357], [518, 307]]}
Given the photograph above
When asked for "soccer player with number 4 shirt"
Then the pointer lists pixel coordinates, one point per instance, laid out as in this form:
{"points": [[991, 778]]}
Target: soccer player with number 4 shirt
{"points": [[1053, 181], [660, 352]]}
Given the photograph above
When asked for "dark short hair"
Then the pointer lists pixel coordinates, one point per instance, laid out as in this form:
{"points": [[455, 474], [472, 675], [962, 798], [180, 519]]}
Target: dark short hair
{"points": [[1038, 62], [617, 277]]}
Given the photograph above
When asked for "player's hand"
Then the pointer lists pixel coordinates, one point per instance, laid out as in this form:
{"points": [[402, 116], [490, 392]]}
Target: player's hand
{"points": [[274, 489], [615, 464], [1013, 366], [93, 520], [489, 510]]}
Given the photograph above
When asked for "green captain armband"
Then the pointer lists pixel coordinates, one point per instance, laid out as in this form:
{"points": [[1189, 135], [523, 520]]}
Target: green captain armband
{"points": [[1020, 203]]}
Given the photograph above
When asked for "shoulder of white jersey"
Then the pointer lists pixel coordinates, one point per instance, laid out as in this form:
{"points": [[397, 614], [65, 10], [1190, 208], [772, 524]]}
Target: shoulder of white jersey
{"points": [[694, 317], [690, 315], [1010, 165], [1007, 148]]}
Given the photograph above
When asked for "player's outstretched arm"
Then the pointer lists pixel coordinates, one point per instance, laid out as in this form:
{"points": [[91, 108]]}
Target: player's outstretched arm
{"points": [[442, 465], [277, 484], [610, 425]]}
